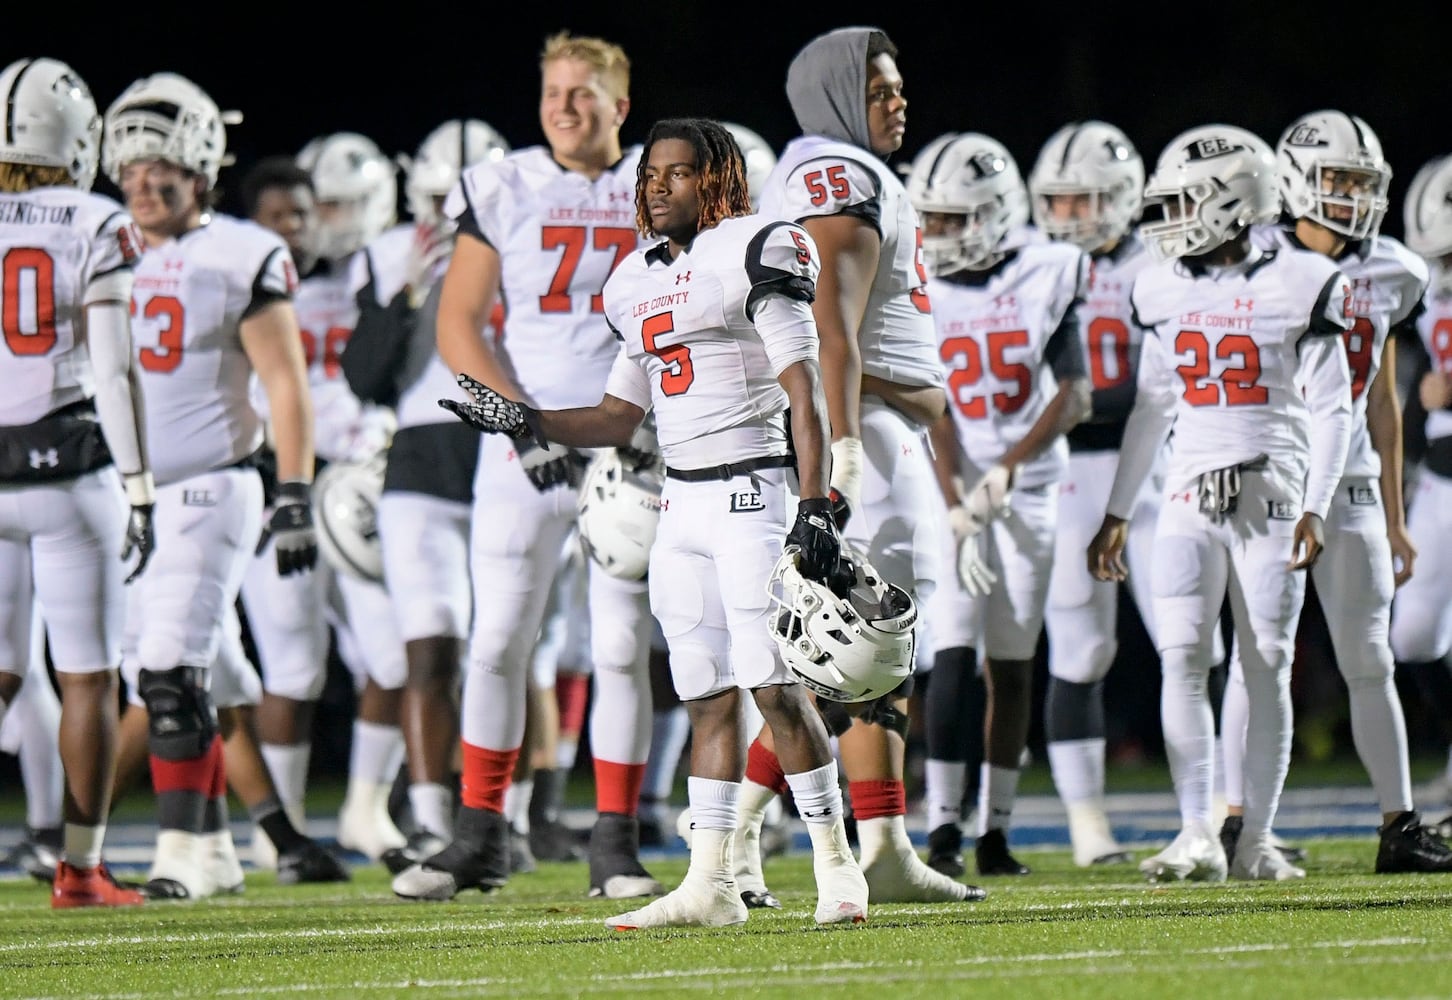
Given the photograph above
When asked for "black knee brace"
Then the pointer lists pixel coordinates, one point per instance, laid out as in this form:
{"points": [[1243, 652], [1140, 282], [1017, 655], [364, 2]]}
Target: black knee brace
{"points": [[835, 715], [180, 709], [884, 713]]}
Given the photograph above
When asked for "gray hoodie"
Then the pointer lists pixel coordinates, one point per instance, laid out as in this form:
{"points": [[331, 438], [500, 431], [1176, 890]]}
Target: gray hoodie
{"points": [[827, 86]]}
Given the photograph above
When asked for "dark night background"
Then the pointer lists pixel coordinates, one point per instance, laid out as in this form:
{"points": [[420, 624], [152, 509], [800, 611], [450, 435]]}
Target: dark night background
{"points": [[1015, 72]]}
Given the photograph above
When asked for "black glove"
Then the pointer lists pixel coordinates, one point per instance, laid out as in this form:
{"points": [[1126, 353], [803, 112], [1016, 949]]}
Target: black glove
{"points": [[140, 538], [815, 534], [548, 466], [291, 528]]}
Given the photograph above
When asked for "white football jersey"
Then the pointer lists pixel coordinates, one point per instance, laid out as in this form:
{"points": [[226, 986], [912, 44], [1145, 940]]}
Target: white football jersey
{"points": [[54, 242], [1222, 356], [993, 330], [190, 297], [560, 235], [1387, 284], [385, 262], [1112, 338], [1434, 327], [326, 314], [817, 176], [690, 349]]}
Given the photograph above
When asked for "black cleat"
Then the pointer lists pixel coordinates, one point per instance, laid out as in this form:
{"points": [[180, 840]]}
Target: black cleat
{"points": [[991, 853], [945, 851], [421, 844], [310, 863], [1230, 836], [477, 859], [615, 868], [1408, 846], [763, 900], [38, 854], [552, 840], [164, 888]]}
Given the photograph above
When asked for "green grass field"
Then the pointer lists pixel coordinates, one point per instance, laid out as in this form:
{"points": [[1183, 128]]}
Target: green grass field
{"points": [[1061, 932]]}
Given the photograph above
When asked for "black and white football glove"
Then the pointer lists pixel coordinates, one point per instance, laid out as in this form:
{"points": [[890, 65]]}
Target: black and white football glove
{"points": [[815, 535], [643, 451], [291, 529], [490, 413], [140, 538], [550, 465]]}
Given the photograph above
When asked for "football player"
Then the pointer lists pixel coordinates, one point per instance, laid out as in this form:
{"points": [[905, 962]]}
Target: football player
{"points": [[1243, 360], [72, 442], [719, 364], [1333, 181], [1421, 625], [32, 733], [1085, 188], [423, 515], [211, 311], [884, 388], [1009, 340], [356, 199], [541, 230]]}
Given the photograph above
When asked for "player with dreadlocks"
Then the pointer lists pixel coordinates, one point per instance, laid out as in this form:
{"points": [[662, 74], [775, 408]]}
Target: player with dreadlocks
{"points": [[714, 314]]}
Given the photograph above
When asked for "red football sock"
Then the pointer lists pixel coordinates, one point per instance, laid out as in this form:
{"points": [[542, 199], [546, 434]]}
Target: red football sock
{"points": [[572, 692], [617, 787], [764, 767], [487, 774], [872, 799]]}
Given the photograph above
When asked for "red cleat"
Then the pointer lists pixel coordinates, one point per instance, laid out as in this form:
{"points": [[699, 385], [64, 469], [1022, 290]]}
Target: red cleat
{"points": [[89, 887]]}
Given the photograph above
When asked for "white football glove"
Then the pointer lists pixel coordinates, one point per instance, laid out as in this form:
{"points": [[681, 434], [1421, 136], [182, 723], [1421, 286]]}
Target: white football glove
{"points": [[431, 247], [989, 497], [973, 571]]}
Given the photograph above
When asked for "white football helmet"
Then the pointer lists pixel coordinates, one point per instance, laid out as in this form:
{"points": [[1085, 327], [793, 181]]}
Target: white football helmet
{"points": [[843, 649], [619, 513], [351, 172], [1427, 211], [49, 118], [1332, 171], [968, 174], [760, 158], [345, 505], [441, 158], [1211, 183], [167, 117], [1094, 159]]}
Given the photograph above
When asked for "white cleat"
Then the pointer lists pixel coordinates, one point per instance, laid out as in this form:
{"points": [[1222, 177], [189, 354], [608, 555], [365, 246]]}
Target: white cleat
{"points": [[1194, 855], [1263, 862], [697, 902], [1093, 841], [365, 826], [179, 870], [419, 882], [219, 855], [841, 890]]}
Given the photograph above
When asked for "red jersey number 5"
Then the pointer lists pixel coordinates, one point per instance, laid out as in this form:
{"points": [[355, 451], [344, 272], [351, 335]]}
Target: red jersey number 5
{"points": [[679, 373]]}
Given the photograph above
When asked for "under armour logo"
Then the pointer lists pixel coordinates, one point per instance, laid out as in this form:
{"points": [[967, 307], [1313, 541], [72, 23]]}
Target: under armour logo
{"points": [[683, 276], [1004, 302], [1361, 283], [811, 814], [47, 459], [1182, 497], [171, 265], [621, 196], [1067, 488], [1245, 304], [907, 449]]}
